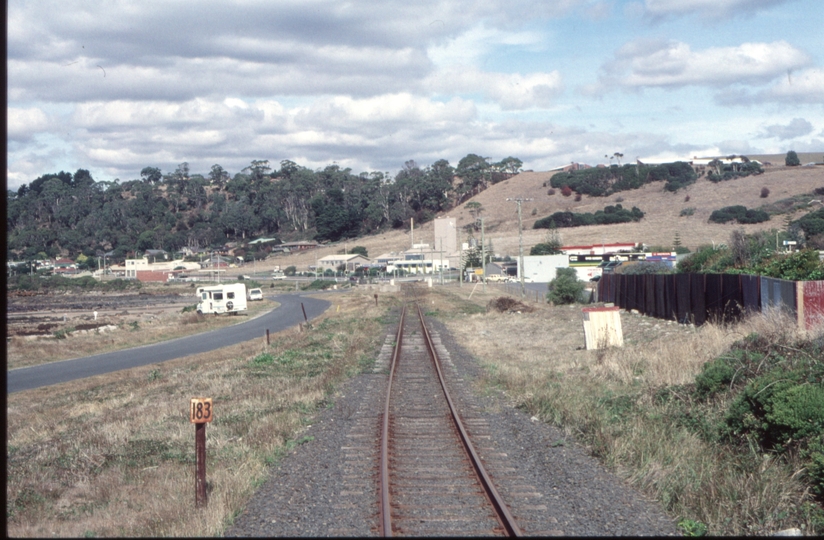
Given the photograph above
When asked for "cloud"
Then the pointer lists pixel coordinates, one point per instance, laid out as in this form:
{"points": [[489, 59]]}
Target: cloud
{"points": [[797, 127], [706, 9], [657, 63], [510, 91], [22, 124], [805, 87]]}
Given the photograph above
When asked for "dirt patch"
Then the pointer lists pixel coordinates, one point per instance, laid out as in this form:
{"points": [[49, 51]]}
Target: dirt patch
{"points": [[505, 304]]}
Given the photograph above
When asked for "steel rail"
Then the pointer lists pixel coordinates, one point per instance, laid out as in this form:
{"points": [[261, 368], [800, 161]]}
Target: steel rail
{"points": [[502, 513], [385, 509]]}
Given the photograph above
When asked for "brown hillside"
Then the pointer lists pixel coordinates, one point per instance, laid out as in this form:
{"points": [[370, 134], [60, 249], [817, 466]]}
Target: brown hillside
{"points": [[659, 226]]}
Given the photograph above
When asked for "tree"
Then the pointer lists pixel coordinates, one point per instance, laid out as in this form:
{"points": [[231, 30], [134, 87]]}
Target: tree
{"points": [[566, 288], [792, 159], [359, 250], [551, 244], [218, 176], [151, 175]]}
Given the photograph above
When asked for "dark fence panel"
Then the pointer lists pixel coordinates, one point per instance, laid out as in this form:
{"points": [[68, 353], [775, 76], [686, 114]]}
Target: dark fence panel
{"points": [[712, 294], [669, 290], [698, 299], [632, 298], [649, 295], [660, 297], [751, 287], [732, 297], [682, 297]]}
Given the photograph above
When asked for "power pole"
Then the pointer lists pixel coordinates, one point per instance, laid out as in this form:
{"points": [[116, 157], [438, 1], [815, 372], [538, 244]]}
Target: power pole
{"points": [[483, 254], [519, 200]]}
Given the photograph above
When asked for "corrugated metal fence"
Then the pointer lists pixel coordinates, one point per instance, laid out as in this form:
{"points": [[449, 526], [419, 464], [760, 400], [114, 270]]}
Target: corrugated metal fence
{"points": [[697, 298]]}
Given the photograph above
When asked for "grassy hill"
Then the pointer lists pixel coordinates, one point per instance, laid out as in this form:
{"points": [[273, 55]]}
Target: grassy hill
{"points": [[662, 221]]}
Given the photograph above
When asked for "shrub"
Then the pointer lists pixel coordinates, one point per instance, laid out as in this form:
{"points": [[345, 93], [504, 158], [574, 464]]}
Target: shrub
{"points": [[607, 216], [819, 191], [715, 376], [812, 224], [687, 198], [551, 192], [566, 288], [290, 271], [765, 193], [792, 159], [566, 191], [687, 211], [577, 197], [738, 213]]}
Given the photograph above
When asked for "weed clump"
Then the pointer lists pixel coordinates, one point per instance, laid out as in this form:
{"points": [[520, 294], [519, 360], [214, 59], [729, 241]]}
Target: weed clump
{"points": [[505, 304]]}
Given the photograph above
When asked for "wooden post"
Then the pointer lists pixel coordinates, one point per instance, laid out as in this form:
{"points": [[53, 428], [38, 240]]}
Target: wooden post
{"points": [[267, 336], [306, 319], [200, 467], [200, 413], [376, 299]]}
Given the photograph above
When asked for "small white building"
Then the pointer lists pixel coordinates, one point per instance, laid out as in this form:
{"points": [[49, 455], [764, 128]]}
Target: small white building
{"points": [[542, 268], [350, 262]]}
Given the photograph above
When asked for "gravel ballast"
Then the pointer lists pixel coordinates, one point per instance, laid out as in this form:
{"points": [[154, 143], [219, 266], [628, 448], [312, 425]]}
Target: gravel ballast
{"points": [[326, 486]]}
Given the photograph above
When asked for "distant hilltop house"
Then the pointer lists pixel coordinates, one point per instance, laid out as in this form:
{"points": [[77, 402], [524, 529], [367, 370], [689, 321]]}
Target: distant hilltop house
{"points": [[288, 247]]}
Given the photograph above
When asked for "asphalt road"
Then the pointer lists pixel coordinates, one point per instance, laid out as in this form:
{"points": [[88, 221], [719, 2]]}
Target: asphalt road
{"points": [[286, 315]]}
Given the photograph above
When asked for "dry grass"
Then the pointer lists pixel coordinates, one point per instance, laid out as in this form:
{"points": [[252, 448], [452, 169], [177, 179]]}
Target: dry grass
{"points": [[114, 455], [609, 400], [133, 331]]}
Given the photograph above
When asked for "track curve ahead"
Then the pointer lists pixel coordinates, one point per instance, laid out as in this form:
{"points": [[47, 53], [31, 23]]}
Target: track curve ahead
{"points": [[288, 314]]}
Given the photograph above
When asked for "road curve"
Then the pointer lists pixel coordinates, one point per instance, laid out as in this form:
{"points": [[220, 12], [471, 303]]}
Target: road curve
{"points": [[288, 314]]}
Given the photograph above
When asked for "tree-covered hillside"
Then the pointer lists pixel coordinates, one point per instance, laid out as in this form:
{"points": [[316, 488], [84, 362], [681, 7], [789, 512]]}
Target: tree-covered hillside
{"points": [[68, 214]]}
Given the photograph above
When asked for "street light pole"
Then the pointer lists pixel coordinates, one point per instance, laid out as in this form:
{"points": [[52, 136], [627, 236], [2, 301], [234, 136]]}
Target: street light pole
{"points": [[519, 200]]}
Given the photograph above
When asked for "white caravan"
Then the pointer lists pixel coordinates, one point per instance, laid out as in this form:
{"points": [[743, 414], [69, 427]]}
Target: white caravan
{"points": [[229, 298]]}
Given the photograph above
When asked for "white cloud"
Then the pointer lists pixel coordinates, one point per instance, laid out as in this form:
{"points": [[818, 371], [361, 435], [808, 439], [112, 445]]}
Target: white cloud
{"points": [[22, 124], [511, 91], [706, 9], [797, 127], [645, 63]]}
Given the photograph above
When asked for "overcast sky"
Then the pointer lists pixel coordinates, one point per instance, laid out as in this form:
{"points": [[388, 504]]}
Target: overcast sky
{"points": [[116, 86]]}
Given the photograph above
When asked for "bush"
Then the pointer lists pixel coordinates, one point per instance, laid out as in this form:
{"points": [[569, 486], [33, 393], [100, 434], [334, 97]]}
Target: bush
{"points": [[687, 211], [792, 159], [607, 216], [566, 288], [740, 214], [812, 224], [290, 271], [551, 192], [577, 197], [566, 191], [765, 193], [715, 376]]}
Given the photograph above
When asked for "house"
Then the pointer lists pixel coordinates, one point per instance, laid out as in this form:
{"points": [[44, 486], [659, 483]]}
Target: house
{"points": [[65, 267], [350, 262], [288, 247]]}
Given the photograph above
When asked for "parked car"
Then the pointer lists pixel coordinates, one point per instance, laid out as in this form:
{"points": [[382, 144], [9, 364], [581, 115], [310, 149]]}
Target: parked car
{"points": [[255, 294]]}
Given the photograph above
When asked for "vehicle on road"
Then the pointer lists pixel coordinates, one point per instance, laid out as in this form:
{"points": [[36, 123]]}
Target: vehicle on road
{"points": [[228, 298], [255, 294], [278, 275]]}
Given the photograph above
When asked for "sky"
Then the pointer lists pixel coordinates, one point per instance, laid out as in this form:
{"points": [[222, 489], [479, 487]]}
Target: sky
{"points": [[114, 86]]}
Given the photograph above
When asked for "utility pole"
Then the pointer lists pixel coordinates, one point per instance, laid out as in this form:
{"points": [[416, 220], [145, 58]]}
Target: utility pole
{"points": [[483, 254], [519, 200]]}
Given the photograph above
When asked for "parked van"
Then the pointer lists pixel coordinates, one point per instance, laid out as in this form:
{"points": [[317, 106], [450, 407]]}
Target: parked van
{"points": [[229, 298], [255, 294]]}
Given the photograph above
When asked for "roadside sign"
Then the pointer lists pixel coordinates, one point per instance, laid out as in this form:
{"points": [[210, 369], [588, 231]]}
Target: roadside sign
{"points": [[200, 410]]}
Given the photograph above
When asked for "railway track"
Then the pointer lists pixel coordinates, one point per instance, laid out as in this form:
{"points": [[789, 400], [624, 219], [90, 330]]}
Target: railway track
{"points": [[432, 481]]}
